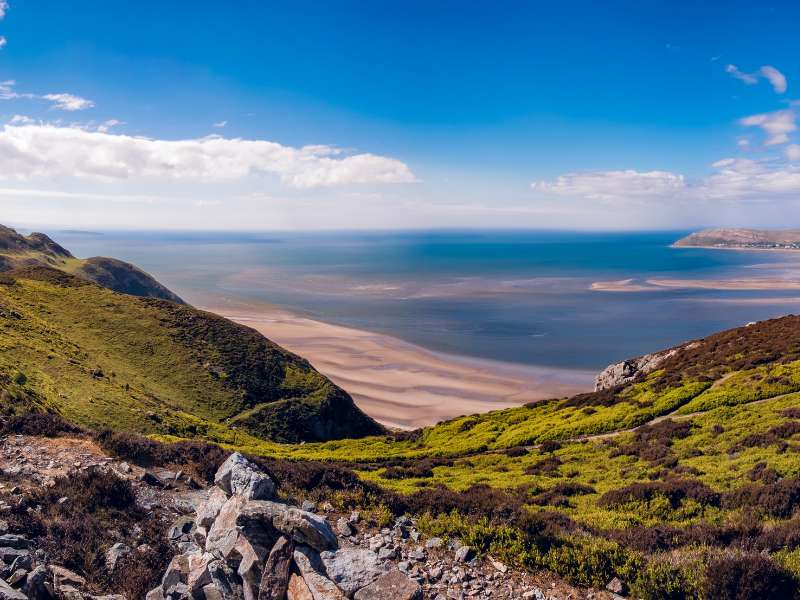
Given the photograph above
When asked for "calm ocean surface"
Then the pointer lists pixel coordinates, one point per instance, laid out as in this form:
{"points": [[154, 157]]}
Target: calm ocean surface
{"points": [[520, 297]]}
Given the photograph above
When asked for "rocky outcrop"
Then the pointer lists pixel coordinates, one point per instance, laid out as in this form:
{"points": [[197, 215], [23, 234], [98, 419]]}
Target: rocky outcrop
{"points": [[247, 545], [626, 371]]}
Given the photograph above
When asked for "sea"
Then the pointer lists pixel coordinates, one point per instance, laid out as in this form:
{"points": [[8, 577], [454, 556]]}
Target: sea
{"points": [[521, 297]]}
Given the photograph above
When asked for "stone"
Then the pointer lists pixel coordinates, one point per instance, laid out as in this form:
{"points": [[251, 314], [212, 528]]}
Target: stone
{"points": [[302, 526], [208, 510], [311, 568], [114, 554], [63, 576], [352, 568], [275, 578], [182, 526], [223, 580], [198, 576], [34, 586], [297, 589], [434, 542], [617, 586], [535, 594], [69, 592], [11, 540], [393, 585], [387, 553], [155, 594], [223, 534], [16, 577], [355, 517], [344, 528], [498, 565], [251, 555], [417, 554], [9, 555], [464, 554], [308, 505], [177, 572], [239, 476]]}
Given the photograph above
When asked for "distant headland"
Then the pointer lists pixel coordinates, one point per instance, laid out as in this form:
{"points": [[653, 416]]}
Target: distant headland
{"points": [[742, 239]]}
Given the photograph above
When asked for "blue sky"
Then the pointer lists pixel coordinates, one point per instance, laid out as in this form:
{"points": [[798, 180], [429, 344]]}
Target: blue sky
{"points": [[537, 114]]}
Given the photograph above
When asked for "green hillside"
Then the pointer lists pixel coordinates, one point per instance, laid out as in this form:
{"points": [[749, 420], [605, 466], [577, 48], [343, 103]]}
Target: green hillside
{"points": [[105, 359], [36, 249]]}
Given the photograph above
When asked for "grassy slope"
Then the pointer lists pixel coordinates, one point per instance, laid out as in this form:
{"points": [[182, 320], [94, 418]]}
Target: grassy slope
{"points": [[108, 359]]}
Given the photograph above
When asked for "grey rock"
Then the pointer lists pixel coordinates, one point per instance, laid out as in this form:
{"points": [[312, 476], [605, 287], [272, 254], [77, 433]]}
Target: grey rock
{"points": [[9, 555], [183, 526], [617, 586], [344, 528], [302, 526], [9, 593], [223, 580], [393, 585], [275, 579], [34, 586], [308, 505], [223, 534], [114, 554], [239, 476], [155, 594], [434, 542], [208, 510], [464, 554], [11, 540], [311, 568], [387, 553], [352, 568]]}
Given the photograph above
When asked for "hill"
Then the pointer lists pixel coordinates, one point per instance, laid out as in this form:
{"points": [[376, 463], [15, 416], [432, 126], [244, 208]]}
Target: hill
{"points": [[18, 251], [106, 359], [742, 238]]}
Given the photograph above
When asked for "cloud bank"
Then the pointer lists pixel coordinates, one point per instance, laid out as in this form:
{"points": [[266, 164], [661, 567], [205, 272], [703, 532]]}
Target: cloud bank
{"points": [[30, 151]]}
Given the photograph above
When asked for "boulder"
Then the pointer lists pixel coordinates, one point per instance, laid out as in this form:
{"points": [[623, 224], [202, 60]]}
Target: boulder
{"points": [[155, 594], [34, 586], [344, 528], [302, 526], [275, 579], [223, 534], [464, 554], [393, 585], [223, 582], [9, 593], [352, 569], [239, 476], [114, 554], [198, 576], [62, 576], [297, 589], [11, 540], [250, 557], [208, 510], [313, 572], [183, 526]]}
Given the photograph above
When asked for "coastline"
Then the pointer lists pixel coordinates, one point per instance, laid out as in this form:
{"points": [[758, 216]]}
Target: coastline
{"points": [[399, 383], [739, 248]]}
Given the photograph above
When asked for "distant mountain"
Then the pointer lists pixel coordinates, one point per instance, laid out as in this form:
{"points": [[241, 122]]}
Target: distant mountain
{"points": [[742, 238], [17, 251], [106, 359]]}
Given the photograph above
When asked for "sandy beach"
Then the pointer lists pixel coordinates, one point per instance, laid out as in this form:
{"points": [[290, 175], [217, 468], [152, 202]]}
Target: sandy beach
{"points": [[398, 383], [653, 285]]}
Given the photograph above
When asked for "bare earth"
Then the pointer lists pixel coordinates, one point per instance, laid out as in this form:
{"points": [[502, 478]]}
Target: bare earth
{"points": [[398, 383]]}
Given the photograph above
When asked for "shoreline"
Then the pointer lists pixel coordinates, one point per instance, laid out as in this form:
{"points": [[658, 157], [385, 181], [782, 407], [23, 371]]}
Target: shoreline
{"points": [[396, 382], [740, 248], [665, 284]]}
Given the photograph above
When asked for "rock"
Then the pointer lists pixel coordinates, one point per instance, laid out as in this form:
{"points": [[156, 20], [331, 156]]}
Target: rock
{"points": [[417, 554], [387, 553], [464, 554], [17, 577], [434, 542], [310, 566], [352, 568], [62, 576], [223, 534], [10, 540], [393, 585], [308, 505], [535, 594], [239, 476], [617, 586], [302, 526], [223, 582], [498, 565], [177, 572], [275, 579], [198, 576], [9, 593], [208, 510], [355, 517], [251, 555], [34, 586], [182, 526], [344, 528], [69, 592], [113, 554], [155, 594], [297, 589], [9, 555]]}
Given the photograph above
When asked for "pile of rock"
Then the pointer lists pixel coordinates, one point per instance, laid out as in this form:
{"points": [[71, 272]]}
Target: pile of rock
{"points": [[245, 545]]}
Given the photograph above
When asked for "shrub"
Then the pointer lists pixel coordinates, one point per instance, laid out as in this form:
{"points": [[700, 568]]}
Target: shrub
{"points": [[777, 499], [34, 423], [664, 580], [675, 490], [746, 576], [591, 561], [546, 466]]}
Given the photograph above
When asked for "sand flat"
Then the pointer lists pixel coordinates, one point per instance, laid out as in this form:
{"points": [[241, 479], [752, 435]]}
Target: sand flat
{"points": [[401, 384], [656, 284]]}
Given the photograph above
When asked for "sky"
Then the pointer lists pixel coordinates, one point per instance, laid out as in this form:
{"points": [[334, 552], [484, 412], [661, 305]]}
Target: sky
{"points": [[258, 115]]}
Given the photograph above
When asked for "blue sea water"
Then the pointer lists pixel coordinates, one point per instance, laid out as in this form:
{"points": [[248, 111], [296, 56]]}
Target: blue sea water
{"points": [[522, 297]]}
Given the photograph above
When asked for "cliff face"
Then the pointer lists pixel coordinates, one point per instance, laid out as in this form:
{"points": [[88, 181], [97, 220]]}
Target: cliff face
{"points": [[624, 372]]}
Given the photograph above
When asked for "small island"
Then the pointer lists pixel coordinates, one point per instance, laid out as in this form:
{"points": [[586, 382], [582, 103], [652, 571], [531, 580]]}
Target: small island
{"points": [[742, 239]]}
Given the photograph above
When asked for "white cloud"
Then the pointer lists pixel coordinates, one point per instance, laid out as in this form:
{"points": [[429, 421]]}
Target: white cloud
{"points": [[68, 102], [775, 77], [46, 151], [220, 124], [105, 126], [768, 72], [777, 125], [612, 185], [21, 120], [793, 152], [3, 8], [747, 78], [3, 41], [61, 101]]}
